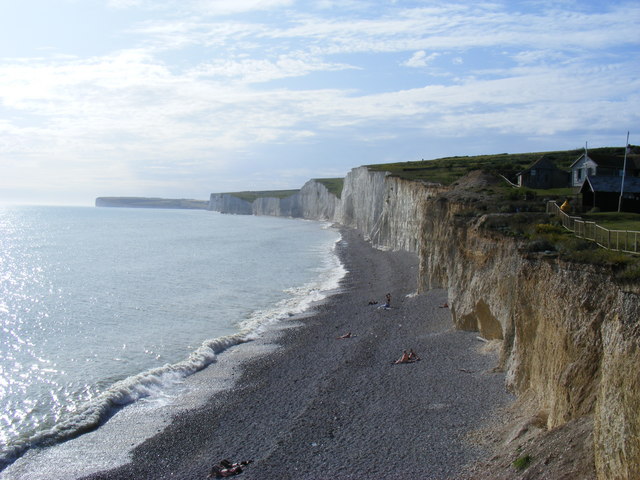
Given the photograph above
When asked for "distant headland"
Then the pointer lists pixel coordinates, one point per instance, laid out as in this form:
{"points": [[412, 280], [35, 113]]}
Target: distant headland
{"points": [[145, 202]]}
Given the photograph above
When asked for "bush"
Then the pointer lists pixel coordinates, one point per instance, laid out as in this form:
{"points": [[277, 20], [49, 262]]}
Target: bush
{"points": [[600, 256], [540, 245], [522, 463], [630, 274], [548, 228]]}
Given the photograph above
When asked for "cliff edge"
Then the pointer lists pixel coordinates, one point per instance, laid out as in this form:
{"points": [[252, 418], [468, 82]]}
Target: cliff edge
{"points": [[568, 333]]}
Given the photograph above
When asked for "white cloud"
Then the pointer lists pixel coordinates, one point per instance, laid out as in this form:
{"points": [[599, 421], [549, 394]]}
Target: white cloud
{"points": [[197, 92], [255, 71], [202, 7], [225, 7], [420, 59]]}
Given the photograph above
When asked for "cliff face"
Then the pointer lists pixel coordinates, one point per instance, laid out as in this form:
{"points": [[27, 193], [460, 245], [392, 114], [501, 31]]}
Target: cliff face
{"points": [[387, 209], [313, 202], [570, 336], [226, 203]]}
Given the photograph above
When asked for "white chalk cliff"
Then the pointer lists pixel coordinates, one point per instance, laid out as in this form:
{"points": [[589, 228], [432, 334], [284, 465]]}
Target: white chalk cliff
{"points": [[570, 335]]}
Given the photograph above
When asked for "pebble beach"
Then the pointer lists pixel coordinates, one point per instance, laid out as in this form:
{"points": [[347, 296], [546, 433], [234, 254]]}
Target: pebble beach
{"points": [[317, 406]]}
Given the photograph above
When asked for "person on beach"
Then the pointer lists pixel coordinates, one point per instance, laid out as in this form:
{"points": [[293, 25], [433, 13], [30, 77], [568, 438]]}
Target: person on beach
{"points": [[226, 469], [346, 335], [404, 358], [387, 303], [408, 357]]}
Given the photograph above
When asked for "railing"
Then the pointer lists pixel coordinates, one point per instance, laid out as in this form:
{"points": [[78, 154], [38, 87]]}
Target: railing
{"points": [[621, 240]]}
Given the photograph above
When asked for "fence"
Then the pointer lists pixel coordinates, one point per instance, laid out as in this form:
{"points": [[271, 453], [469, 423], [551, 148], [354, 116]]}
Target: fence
{"points": [[621, 240]]}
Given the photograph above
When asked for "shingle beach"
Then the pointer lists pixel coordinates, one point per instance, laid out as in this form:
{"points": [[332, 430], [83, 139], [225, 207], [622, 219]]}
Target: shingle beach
{"points": [[320, 407]]}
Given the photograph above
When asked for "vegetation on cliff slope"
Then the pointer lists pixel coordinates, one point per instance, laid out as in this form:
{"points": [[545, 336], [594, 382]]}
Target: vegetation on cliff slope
{"points": [[333, 185], [449, 169], [250, 196]]}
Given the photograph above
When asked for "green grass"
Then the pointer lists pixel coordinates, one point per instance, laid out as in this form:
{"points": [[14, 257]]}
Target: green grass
{"points": [[615, 220], [447, 170], [552, 237], [251, 196], [334, 185], [522, 463]]}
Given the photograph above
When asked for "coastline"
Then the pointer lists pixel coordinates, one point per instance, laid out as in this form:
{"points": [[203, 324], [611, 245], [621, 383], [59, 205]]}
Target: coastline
{"points": [[315, 406]]}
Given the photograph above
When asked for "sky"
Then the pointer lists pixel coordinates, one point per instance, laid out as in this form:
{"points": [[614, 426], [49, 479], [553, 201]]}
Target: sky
{"points": [[182, 98]]}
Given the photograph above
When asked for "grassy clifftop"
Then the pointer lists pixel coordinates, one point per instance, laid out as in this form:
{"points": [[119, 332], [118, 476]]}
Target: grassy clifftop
{"points": [[449, 169], [334, 185], [250, 196]]}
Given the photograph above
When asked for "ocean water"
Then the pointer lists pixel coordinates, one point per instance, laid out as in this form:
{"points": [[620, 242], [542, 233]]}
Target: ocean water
{"points": [[102, 307]]}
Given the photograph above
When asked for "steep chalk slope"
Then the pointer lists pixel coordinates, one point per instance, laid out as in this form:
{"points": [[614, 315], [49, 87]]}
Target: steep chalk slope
{"points": [[570, 335], [313, 202], [387, 209], [228, 203]]}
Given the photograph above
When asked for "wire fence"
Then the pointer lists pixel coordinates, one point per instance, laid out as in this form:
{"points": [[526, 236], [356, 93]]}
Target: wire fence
{"points": [[621, 240]]}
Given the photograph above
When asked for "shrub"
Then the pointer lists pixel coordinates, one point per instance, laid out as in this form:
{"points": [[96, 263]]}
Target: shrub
{"points": [[548, 228], [630, 274], [600, 256], [540, 245], [522, 463]]}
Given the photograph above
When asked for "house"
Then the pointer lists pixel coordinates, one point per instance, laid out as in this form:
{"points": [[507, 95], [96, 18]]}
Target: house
{"points": [[596, 164], [603, 192], [543, 174]]}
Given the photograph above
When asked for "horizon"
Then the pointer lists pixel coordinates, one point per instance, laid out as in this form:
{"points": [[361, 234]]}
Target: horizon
{"points": [[182, 99], [92, 201]]}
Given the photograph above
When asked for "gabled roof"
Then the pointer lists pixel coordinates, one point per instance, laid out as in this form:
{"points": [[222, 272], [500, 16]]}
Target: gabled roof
{"points": [[542, 163], [603, 160], [611, 184]]}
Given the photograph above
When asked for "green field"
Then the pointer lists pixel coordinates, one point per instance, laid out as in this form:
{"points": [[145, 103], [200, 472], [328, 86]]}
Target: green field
{"points": [[448, 169], [615, 220], [334, 185], [250, 196]]}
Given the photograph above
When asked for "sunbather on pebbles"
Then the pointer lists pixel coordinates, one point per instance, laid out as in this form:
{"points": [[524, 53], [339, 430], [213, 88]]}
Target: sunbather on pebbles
{"points": [[227, 469], [346, 335], [407, 357]]}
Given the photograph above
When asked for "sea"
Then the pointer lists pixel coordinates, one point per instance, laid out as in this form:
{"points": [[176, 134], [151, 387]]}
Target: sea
{"points": [[107, 313]]}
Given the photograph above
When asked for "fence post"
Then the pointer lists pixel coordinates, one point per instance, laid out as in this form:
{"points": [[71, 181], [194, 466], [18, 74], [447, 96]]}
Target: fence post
{"points": [[626, 240]]}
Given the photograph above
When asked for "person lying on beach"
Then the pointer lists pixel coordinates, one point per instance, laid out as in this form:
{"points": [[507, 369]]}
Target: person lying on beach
{"points": [[404, 358], [444, 305], [346, 335], [409, 357], [226, 469]]}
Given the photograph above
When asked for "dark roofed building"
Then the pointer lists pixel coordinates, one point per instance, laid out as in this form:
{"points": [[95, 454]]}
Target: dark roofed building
{"points": [[604, 193], [594, 164], [543, 174]]}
